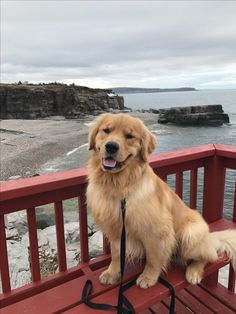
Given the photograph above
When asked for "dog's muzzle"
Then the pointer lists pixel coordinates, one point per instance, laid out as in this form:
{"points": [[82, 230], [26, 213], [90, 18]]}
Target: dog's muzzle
{"points": [[112, 148]]}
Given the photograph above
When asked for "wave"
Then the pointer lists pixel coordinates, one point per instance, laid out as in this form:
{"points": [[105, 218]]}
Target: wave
{"points": [[75, 149]]}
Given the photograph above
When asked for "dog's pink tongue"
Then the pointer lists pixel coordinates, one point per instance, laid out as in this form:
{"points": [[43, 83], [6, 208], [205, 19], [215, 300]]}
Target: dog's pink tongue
{"points": [[111, 163]]}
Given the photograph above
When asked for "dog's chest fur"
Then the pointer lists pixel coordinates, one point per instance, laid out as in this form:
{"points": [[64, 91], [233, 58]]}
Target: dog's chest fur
{"points": [[106, 207]]}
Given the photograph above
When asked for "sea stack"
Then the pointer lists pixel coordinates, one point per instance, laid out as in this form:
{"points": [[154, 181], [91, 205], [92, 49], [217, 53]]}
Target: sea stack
{"points": [[210, 115]]}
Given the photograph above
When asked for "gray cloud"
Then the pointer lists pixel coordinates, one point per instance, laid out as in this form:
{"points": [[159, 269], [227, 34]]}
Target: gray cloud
{"points": [[117, 43]]}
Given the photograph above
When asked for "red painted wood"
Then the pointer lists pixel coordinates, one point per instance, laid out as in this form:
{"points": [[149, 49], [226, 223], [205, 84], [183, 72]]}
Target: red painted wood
{"points": [[179, 306], [234, 208], [33, 242], [192, 303], [4, 267], [213, 194], [41, 184], [146, 298], [232, 279], [106, 245], [147, 311], [182, 156], [223, 295], [179, 184], [232, 275], [66, 295], [187, 303], [50, 301], [230, 163], [15, 204], [164, 178], [225, 150], [84, 253], [179, 167], [193, 188], [160, 308], [222, 224], [32, 289], [59, 219], [208, 300]]}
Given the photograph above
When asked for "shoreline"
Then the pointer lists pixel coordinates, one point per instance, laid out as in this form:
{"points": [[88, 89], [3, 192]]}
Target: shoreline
{"points": [[26, 145]]}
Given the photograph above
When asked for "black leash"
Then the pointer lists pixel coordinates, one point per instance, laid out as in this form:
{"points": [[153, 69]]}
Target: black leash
{"points": [[123, 306]]}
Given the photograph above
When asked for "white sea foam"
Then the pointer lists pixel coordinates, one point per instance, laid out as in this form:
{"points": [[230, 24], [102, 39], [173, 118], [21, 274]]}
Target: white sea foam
{"points": [[161, 132], [75, 149]]}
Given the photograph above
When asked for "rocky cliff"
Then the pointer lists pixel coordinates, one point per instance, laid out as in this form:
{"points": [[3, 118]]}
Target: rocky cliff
{"points": [[194, 115], [28, 101]]}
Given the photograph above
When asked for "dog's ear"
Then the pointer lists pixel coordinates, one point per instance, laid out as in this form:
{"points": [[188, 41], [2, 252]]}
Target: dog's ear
{"points": [[148, 144], [93, 130]]}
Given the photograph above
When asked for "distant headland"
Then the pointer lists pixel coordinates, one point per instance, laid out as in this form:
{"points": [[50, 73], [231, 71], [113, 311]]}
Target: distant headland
{"points": [[137, 90]]}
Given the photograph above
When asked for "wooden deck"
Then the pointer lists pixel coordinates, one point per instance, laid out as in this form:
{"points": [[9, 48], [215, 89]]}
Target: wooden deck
{"points": [[61, 293]]}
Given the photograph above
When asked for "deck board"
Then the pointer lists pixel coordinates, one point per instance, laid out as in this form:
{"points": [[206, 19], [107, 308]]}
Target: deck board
{"points": [[194, 304], [208, 300], [179, 306], [223, 295], [159, 308]]}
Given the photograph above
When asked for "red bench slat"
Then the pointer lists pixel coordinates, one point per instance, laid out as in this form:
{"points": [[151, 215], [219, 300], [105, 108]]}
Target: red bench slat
{"points": [[160, 308], [179, 306], [208, 300], [192, 303], [223, 295]]}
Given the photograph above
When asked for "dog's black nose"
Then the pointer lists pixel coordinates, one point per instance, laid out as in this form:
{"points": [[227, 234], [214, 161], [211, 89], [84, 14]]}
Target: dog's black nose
{"points": [[112, 147]]}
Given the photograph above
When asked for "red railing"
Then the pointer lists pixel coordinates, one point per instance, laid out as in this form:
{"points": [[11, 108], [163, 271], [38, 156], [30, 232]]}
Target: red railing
{"points": [[54, 188]]}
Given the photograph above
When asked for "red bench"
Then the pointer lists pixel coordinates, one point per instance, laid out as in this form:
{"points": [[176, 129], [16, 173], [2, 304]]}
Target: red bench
{"points": [[61, 293]]}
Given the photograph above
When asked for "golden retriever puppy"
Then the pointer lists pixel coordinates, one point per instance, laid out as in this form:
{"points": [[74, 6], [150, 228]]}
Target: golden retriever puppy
{"points": [[158, 223]]}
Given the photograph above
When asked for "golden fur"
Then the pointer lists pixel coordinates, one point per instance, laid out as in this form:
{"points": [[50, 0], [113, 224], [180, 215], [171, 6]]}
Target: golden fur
{"points": [[158, 223]]}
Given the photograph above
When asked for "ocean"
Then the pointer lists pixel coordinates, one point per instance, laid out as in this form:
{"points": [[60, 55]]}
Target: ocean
{"points": [[172, 137]]}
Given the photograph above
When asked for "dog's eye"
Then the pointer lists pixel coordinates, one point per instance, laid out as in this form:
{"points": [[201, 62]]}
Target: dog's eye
{"points": [[106, 130], [129, 136]]}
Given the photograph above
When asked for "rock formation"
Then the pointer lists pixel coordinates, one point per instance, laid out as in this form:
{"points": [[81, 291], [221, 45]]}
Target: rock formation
{"points": [[28, 101], [19, 254], [212, 115]]}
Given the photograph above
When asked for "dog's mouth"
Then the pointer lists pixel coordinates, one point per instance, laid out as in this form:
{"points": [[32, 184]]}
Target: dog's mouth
{"points": [[110, 163]]}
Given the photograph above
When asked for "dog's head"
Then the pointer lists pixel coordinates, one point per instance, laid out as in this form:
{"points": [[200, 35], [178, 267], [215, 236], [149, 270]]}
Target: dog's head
{"points": [[117, 139]]}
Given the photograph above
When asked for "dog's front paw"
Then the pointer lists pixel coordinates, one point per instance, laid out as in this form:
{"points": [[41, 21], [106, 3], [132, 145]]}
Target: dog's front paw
{"points": [[193, 275], [144, 281], [108, 278]]}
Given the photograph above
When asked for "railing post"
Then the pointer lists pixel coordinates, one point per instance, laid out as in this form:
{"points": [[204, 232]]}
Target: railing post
{"points": [[213, 198], [232, 274], [60, 233], [213, 193], [84, 252], [4, 265]]}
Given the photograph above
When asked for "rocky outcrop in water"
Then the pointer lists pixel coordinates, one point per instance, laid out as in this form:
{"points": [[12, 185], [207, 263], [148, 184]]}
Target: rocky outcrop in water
{"points": [[28, 101], [212, 115]]}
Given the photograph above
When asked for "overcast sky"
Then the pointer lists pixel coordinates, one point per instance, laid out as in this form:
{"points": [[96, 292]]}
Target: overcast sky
{"points": [[120, 43]]}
